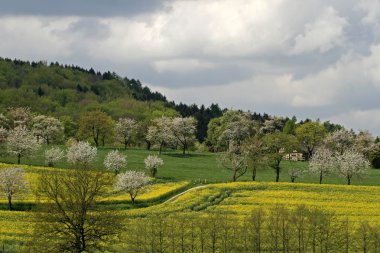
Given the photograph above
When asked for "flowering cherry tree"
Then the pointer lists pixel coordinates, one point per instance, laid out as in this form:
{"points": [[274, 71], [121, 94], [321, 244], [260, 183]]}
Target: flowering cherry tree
{"points": [[21, 142], [115, 161], [126, 128], [12, 181], [322, 163], [81, 154], [152, 162], [53, 155], [351, 163], [132, 182]]}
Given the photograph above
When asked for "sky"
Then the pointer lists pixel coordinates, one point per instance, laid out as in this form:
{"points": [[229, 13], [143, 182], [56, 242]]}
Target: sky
{"points": [[317, 59]]}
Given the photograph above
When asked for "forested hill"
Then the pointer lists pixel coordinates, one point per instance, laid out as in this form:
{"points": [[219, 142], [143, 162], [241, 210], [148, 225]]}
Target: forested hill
{"points": [[67, 90], [71, 90]]}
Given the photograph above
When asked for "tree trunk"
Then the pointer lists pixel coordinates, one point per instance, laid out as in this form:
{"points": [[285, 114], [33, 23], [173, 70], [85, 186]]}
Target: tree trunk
{"points": [[277, 174], [18, 158], [254, 173], [161, 145], [184, 149], [10, 203], [292, 179], [320, 178], [348, 180], [234, 176], [125, 143]]}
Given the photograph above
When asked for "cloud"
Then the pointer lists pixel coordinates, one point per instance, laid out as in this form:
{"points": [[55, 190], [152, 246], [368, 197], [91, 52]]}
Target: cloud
{"points": [[360, 120], [84, 8], [316, 59], [326, 32]]}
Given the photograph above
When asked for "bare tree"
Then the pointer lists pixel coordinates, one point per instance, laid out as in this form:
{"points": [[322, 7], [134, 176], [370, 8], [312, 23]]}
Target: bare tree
{"points": [[72, 213], [12, 181]]}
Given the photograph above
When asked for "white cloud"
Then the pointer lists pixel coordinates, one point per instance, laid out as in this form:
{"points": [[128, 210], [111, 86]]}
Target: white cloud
{"points": [[372, 9], [324, 33], [34, 37]]}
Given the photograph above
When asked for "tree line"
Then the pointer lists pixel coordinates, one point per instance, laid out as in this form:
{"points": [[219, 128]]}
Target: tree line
{"points": [[243, 144], [278, 229]]}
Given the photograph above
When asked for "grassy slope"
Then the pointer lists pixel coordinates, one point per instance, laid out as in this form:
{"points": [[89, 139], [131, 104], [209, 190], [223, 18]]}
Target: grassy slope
{"points": [[198, 167]]}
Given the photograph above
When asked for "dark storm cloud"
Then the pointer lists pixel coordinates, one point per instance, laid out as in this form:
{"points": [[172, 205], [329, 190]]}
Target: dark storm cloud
{"points": [[86, 8]]}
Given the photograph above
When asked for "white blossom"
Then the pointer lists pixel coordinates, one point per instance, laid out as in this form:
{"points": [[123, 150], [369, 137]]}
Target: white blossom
{"points": [[53, 155], [161, 132], [115, 161], [322, 163], [352, 163], [295, 173], [152, 162], [81, 153], [21, 142], [132, 182], [183, 130], [47, 128], [12, 181], [340, 140], [3, 134], [126, 128]]}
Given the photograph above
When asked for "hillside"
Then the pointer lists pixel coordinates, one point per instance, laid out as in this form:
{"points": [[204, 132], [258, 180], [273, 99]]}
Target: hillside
{"points": [[70, 90]]}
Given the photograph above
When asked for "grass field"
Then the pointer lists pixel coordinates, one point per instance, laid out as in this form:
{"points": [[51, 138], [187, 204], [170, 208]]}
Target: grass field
{"points": [[195, 167]]}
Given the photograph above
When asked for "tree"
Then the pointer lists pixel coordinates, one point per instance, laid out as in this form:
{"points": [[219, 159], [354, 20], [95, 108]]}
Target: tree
{"points": [[115, 161], [160, 132], [373, 154], [322, 163], [183, 130], [237, 131], [152, 162], [47, 128], [21, 142], [69, 125], [254, 154], [351, 163], [295, 173], [340, 140], [81, 154], [290, 126], [234, 161], [19, 116], [3, 134], [276, 145], [53, 155], [363, 142], [12, 181], [132, 182], [126, 128], [72, 213], [310, 135], [274, 124], [97, 125]]}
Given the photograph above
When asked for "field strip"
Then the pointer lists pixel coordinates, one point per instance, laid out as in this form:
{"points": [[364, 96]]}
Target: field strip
{"points": [[179, 194]]}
